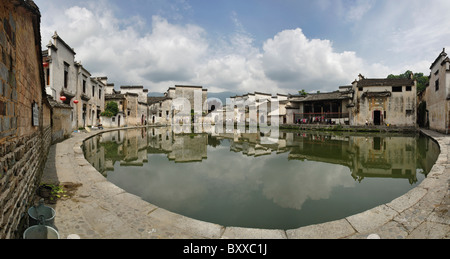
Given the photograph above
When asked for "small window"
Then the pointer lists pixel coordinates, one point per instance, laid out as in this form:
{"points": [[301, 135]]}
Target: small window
{"points": [[396, 171], [84, 86], [48, 76], [360, 88], [409, 88], [436, 84], [397, 89], [66, 75]]}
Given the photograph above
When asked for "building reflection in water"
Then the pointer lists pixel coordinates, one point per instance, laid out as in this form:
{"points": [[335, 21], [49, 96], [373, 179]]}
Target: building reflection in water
{"points": [[231, 178], [369, 156]]}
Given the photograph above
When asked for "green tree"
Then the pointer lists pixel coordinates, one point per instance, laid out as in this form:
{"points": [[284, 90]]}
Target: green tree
{"points": [[302, 92], [422, 80], [111, 109], [405, 75]]}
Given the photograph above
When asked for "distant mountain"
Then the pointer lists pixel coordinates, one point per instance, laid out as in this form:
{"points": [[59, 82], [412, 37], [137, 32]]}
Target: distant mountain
{"points": [[155, 94], [222, 96]]}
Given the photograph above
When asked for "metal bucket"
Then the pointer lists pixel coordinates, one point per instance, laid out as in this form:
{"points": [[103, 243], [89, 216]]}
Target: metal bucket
{"points": [[41, 214], [40, 232]]}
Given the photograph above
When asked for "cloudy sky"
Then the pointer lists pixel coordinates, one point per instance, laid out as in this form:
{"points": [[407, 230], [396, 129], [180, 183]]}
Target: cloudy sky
{"points": [[273, 46]]}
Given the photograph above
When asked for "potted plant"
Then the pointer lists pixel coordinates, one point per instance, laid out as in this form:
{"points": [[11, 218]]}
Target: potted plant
{"points": [[44, 191], [51, 191]]}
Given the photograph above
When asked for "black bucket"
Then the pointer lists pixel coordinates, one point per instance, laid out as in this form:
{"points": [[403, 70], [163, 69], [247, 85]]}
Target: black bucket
{"points": [[41, 214], [40, 232]]}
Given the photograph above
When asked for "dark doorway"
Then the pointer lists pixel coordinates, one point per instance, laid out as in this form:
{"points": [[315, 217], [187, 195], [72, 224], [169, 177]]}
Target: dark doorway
{"points": [[377, 143], [377, 117], [84, 115]]}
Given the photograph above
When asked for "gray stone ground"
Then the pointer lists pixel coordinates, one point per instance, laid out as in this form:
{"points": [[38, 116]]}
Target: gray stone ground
{"points": [[97, 209]]}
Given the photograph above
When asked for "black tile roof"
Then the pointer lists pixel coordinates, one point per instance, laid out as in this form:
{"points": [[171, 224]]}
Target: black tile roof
{"points": [[385, 82], [152, 100]]}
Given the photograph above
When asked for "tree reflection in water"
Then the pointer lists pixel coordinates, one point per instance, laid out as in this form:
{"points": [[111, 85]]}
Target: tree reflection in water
{"points": [[235, 179]]}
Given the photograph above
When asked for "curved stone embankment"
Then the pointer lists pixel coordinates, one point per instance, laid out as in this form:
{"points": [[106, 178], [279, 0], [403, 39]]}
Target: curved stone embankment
{"points": [[100, 210]]}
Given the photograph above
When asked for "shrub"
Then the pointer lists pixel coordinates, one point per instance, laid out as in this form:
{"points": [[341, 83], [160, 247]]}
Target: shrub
{"points": [[111, 110]]}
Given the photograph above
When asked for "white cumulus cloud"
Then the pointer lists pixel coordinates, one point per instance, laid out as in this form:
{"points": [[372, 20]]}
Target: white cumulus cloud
{"points": [[296, 62], [159, 54]]}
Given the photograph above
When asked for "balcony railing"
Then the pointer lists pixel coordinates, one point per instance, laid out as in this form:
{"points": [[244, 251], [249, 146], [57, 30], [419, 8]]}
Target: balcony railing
{"points": [[321, 118]]}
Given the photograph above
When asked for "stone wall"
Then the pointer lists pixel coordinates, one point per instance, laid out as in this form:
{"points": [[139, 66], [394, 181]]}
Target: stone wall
{"points": [[438, 113], [437, 95], [22, 162], [61, 128], [376, 102], [25, 129], [393, 110], [161, 113], [196, 95]]}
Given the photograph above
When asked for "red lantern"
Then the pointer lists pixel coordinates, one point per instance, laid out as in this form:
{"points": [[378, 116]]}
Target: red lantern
{"points": [[75, 101], [45, 64], [63, 98]]}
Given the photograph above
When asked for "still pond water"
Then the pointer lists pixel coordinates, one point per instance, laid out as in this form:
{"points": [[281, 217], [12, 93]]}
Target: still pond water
{"points": [[240, 179]]}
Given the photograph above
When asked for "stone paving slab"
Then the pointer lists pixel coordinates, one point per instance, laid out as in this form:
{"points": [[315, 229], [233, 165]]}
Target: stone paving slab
{"points": [[252, 233], [331, 230], [430, 230], [367, 221], [409, 199], [100, 210], [196, 227]]}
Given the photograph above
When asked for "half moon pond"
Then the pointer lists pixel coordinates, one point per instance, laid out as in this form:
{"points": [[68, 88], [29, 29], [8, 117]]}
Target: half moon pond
{"points": [[242, 180]]}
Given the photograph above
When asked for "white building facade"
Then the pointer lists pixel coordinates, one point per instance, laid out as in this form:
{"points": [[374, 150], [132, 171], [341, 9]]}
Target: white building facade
{"points": [[437, 95], [68, 82]]}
